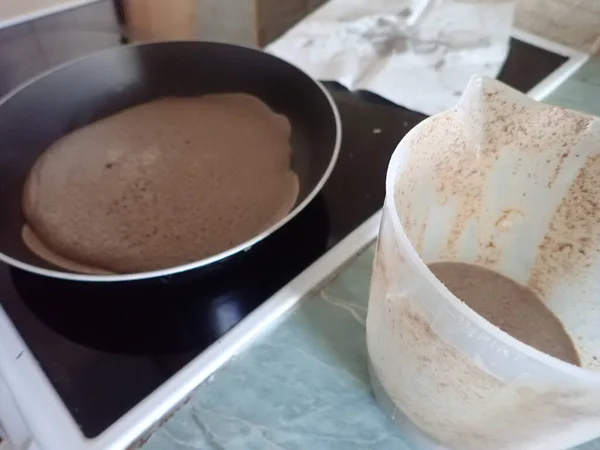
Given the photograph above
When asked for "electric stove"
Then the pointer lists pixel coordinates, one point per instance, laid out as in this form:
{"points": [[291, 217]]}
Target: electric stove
{"points": [[95, 358]]}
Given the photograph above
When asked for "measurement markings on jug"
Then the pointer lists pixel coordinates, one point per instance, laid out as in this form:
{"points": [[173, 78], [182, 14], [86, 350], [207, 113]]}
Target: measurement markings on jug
{"points": [[472, 331]]}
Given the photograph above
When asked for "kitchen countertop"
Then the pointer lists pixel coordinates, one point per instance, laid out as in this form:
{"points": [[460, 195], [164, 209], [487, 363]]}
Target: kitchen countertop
{"points": [[304, 384]]}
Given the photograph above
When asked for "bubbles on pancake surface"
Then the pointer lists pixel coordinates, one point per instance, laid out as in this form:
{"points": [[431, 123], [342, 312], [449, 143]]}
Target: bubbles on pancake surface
{"points": [[164, 183]]}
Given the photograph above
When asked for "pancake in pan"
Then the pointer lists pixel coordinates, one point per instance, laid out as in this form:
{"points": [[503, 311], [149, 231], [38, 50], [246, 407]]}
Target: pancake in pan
{"points": [[161, 184]]}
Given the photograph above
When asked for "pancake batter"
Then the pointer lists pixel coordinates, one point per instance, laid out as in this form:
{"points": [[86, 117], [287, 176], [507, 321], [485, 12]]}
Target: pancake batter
{"points": [[513, 308]]}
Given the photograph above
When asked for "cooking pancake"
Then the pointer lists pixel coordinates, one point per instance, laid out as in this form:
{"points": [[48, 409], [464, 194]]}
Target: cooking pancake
{"points": [[161, 184]]}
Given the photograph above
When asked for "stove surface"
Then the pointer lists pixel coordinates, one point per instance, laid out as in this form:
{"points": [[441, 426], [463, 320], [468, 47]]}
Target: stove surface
{"points": [[105, 347]]}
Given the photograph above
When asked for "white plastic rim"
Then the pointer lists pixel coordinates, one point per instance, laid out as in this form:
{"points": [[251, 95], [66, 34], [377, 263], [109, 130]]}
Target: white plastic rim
{"points": [[399, 158], [244, 246]]}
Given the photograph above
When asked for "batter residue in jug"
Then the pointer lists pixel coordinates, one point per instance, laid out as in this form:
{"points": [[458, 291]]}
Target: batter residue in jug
{"points": [[161, 184], [513, 308]]}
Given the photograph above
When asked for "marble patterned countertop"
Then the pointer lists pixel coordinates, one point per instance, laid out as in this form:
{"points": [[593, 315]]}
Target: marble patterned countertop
{"points": [[304, 384]]}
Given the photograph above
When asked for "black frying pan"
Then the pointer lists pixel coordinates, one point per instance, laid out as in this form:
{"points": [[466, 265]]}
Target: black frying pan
{"points": [[80, 92]]}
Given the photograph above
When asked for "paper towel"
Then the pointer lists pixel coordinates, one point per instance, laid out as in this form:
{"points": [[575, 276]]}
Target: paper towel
{"points": [[419, 54]]}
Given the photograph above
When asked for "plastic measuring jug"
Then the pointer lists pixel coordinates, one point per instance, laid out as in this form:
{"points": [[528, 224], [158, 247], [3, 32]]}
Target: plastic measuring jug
{"points": [[513, 185]]}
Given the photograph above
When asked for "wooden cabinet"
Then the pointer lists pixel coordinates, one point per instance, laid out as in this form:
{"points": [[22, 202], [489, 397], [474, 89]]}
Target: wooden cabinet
{"points": [[247, 22], [147, 20]]}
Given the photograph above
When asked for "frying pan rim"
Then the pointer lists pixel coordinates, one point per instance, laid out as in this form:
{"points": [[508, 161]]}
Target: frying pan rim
{"points": [[244, 246]]}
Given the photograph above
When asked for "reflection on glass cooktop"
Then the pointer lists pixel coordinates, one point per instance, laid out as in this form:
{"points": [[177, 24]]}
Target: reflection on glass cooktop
{"points": [[105, 347]]}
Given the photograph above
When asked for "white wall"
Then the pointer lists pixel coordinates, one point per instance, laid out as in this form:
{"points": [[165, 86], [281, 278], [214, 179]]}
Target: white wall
{"points": [[575, 23]]}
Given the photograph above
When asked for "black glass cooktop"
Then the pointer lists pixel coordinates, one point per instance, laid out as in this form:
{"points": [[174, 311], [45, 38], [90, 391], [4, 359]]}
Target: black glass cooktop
{"points": [[105, 347]]}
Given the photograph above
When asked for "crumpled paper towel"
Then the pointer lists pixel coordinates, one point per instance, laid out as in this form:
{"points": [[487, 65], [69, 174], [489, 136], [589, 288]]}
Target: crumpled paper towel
{"points": [[419, 54]]}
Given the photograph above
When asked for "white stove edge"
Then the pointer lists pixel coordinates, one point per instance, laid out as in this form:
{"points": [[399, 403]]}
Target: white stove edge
{"points": [[37, 13], [32, 414]]}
